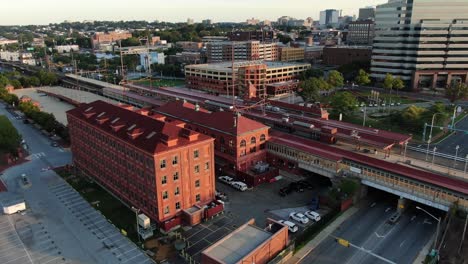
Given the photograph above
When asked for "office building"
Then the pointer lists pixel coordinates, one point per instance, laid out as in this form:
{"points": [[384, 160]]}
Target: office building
{"points": [[341, 55], [329, 17], [256, 35], [422, 42], [366, 13], [243, 50], [361, 32], [154, 165]]}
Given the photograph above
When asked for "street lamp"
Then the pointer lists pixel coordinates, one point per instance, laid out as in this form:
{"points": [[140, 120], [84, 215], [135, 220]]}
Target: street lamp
{"points": [[433, 155], [137, 211], [430, 135], [453, 116], [456, 154], [466, 163], [404, 154], [438, 224]]}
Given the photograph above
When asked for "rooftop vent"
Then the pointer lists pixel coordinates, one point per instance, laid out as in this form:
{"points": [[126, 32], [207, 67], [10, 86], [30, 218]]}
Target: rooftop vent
{"points": [[131, 127], [150, 135]]}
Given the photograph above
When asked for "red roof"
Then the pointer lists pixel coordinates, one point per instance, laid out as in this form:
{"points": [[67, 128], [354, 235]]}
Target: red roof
{"points": [[317, 148], [143, 132], [226, 122]]}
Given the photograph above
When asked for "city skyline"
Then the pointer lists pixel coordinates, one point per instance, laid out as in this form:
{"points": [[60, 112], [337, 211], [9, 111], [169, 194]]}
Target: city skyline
{"points": [[51, 11]]}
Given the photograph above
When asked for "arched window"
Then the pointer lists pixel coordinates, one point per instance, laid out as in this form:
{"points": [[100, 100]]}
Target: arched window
{"points": [[243, 143], [253, 140], [262, 137], [221, 140]]}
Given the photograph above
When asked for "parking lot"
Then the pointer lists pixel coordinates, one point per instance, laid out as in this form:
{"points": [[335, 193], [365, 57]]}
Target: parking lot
{"points": [[25, 241], [260, 203], [114, 243]]}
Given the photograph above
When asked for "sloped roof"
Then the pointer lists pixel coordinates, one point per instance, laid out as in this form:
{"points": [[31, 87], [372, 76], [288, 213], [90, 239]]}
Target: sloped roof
{"points": [[143, 132], [226, 122]]}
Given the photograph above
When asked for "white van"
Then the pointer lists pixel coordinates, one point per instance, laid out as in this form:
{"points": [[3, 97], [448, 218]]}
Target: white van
{"points": [[291, 226], [239, 186]]}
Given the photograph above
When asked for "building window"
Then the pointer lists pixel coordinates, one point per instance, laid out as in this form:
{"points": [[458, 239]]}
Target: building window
{"points": [[177, 191], [197, 168], [196, 154], [253, 140], [163, 164], [197, 197], [176, 176], [207, 165], [164, 180], [197, 183], [262, 137], [253, 149], [243, 143], [166, 210], [165, 195], [175, 160], [177, 205]]}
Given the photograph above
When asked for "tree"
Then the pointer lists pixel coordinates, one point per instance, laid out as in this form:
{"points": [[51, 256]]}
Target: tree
{"points": [[3, 81], [34, 81], [413, 117], [16, 84], [310, 90], [130, 42], [47, 78], [363, 78], [10, 139], [456, 91], [343, 103], [398, 84], [388, 81], [311, 72], [335, 79]]}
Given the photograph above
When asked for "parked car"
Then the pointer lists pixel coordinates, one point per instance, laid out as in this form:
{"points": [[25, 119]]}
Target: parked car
{"points": [[313, 215], [299, 217], [226, 179], [394, 218], [305, 184], [291, 226], [239, 186], [285, 191]]}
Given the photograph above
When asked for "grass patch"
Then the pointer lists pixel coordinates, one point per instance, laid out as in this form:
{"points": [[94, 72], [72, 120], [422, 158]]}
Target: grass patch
{"points": [[160, 82], [114, 210]]}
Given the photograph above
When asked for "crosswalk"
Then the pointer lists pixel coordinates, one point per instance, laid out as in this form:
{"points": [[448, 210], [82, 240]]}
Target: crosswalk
{"points": [[36, 155]]}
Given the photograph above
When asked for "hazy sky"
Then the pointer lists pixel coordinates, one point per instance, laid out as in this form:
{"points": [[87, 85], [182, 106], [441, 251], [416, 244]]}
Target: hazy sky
{"points": [[54, 11]]}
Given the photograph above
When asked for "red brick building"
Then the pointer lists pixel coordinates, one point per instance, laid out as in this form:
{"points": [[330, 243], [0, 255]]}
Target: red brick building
{"points": [[239, 141], [160, 167], [341, 55], [248, 244]]}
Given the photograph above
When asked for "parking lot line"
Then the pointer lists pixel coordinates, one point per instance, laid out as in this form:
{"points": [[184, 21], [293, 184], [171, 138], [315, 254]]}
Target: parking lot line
{"points": [[134, 248], [24, 247], [12, 246], [14, 259], [8, 241], [50, 260], [130, 258]]}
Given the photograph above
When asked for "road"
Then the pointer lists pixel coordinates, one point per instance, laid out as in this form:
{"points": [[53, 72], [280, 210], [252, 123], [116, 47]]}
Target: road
{"points": [[59, 225], [368, 228], [459, 138]]}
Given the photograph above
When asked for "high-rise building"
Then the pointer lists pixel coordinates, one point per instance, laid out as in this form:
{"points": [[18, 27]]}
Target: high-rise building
{"points": [[360, 32], [157, 166], [329, 17], [366, 13], [422, 42]]}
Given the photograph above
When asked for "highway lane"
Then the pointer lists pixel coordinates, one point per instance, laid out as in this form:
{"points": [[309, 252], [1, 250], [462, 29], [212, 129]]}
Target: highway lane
{"points": [[459, 138], [400, 242]]}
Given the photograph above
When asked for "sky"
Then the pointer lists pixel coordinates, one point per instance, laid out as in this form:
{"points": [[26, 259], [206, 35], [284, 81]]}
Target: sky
{"points": [[25, 12]]}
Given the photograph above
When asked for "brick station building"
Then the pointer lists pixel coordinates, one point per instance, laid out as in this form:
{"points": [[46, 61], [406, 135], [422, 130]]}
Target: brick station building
{"points": [[239, 141], [157, 166]]}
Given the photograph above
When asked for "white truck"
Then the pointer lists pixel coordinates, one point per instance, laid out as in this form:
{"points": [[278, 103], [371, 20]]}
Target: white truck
{"points": [[13, 206]]}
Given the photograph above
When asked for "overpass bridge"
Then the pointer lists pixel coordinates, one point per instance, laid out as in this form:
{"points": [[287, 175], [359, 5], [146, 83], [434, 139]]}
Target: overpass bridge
{"points": [[292, 152]]}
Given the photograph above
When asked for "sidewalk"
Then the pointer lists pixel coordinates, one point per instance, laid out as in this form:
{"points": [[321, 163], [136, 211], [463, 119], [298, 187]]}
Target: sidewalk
{"points": [[303, 252]]}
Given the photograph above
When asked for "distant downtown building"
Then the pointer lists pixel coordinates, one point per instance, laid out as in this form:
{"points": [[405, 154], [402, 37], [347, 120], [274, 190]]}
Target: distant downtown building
{"points": [[423, 42], [159, 167], [217, 77], [329, 17]]}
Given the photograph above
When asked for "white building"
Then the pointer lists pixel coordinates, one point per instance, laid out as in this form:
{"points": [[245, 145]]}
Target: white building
{"points": [[67, 48]]}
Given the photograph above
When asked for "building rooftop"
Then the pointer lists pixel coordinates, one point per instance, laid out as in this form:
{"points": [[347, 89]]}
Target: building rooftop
{"points": [[142, 131], [226, 122], [238, 244]]}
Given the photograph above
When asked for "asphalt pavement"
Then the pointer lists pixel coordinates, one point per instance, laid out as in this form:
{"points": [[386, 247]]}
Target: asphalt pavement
{"points": [[58, 226], [459, 138], [369, 228]]}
